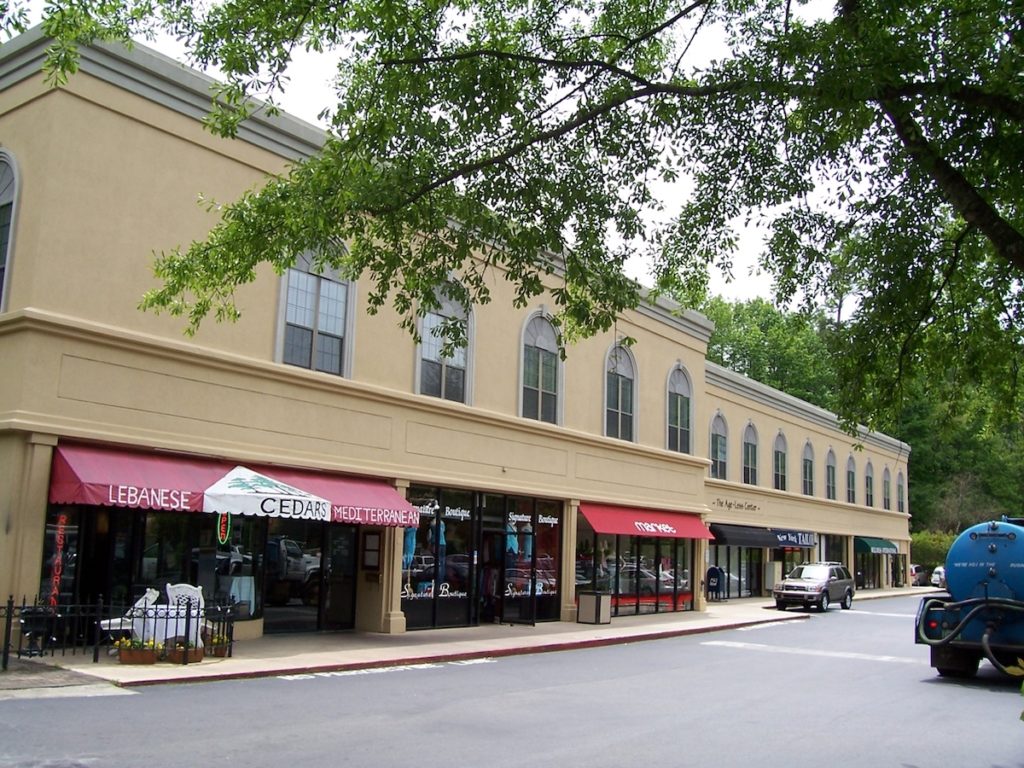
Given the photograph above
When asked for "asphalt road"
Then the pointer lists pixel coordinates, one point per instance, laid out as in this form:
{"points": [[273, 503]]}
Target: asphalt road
{"points": [[845, 689]]}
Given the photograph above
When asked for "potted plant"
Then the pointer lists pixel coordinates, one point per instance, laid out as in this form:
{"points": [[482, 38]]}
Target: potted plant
{"points": [[134, 651], [176, 653], [219, 645]]}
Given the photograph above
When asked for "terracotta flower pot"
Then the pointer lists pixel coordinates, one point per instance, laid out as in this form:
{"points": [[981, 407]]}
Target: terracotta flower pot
{"points": [[220, 650], [136, 656], [177, 655]]}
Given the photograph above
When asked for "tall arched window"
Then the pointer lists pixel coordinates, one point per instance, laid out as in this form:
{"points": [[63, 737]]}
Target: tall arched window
{"points": [[750, 455], [851, 481], [886, 489], [8, 196], [779, 463], [807, 470], [316, 315], [444, 374], [619, 380], [540, 371], [679, 411], [830, 475], [900, 506], [719, 448], [869, 485]]}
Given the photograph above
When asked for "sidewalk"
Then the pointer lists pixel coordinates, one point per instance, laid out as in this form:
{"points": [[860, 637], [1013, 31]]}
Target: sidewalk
{"points": [[275, 655]]}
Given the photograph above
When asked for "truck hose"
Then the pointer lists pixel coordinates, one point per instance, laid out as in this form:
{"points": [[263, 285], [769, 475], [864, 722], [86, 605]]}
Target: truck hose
{"points": [[980, 604], [989, 654]]}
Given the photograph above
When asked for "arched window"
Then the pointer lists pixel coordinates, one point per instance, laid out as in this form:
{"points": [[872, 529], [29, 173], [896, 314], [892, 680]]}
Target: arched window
{"points": [[886, 489], [8, 197], [443, 374], [719, 448], [869, 485], [830, 475], [540, 371], [679, 411], [900, 506], [750, 455], [779, 463], [851, 481], [807, 470], [316, 316], [619, 384]]}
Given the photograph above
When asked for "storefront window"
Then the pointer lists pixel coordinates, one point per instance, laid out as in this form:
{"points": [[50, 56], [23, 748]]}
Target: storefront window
{"points": [[548, 547], [450, 535], [643, 574], [437, 559]]}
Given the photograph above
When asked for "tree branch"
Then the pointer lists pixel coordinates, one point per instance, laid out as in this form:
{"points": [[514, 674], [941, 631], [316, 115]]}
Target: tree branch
{"points": [[957, 190]]}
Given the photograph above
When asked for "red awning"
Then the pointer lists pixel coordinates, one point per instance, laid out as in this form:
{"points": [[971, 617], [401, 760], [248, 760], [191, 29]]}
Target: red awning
{"points": [[113, 477], [634, 521]]}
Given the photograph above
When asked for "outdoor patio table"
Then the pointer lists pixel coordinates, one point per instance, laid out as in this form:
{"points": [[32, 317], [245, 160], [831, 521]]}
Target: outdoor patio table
{"points": [[162, 623]]}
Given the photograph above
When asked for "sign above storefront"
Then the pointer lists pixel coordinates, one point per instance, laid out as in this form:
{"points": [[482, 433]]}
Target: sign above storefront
{"points": [[794, 538], [644, 522], [116, 477]]}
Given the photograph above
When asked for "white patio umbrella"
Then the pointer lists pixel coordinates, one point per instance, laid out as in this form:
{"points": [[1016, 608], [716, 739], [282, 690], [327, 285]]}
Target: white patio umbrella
{"points": [[245, 492]]}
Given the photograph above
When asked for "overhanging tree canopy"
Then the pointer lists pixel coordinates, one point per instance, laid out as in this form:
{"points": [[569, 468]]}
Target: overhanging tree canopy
{"points": [[881, 141]]}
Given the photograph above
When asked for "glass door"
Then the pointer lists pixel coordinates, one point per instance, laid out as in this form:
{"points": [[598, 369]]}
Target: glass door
{"points": [[339, 578], [521, 587], [292, 563]]}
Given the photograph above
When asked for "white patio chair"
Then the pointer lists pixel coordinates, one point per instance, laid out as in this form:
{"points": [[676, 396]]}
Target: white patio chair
{"points": [[181, 597]]}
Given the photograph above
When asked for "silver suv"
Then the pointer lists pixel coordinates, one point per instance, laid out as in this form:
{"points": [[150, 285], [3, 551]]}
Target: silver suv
{"points": [[817, 584]]}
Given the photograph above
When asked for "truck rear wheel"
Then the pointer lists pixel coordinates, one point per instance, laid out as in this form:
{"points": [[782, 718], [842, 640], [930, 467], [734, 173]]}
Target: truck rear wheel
{"points": [[952, 662]]}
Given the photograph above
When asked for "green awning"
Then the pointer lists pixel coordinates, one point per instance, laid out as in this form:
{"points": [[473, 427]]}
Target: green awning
{"points": [[875, 546]]}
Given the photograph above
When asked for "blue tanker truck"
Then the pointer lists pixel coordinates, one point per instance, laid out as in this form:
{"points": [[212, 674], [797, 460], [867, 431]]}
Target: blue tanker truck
{"points": [[983, 614]]}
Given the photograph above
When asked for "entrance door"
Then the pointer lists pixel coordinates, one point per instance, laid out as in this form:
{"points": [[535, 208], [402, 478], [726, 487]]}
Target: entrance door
{"points": [[339, 578], [521, 586], [291, 593]]}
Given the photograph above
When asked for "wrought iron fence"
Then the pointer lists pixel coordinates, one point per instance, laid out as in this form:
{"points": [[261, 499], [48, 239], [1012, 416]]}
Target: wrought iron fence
{"points": [[180, 632]]}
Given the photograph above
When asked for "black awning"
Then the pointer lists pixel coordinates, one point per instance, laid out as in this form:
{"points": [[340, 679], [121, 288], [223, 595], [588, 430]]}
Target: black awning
{"points": [[743, 536]]}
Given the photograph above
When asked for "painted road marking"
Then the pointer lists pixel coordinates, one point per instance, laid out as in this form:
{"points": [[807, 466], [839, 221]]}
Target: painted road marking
{"points": [[382, 670], [66, 692], [755, 627], [812, 652]]}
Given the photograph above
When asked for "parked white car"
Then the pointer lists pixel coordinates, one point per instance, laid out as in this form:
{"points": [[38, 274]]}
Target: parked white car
{"points": [[939, 577]]}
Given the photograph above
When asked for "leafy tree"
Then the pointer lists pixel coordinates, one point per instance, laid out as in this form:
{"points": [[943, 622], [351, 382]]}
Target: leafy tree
{"points": [[929, 548], [882, 142], [786, 351]]}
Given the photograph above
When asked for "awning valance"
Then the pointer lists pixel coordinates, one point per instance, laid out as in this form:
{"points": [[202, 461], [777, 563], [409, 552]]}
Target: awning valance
{"points": [[116, 477], [743, 536], [636, 521], [875, 546]]}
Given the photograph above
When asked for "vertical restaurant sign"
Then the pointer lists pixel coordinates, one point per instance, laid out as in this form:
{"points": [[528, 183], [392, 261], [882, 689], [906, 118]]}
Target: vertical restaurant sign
{"points": [[57, 572]]}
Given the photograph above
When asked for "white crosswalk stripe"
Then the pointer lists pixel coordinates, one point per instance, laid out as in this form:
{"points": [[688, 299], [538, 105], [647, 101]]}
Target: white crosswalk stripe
{"points": [[813, 652], [65, 692]]}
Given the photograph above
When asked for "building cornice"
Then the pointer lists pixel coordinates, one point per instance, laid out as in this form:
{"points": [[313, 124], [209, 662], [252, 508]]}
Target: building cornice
{"points": [[730, 381], [142, 71]]}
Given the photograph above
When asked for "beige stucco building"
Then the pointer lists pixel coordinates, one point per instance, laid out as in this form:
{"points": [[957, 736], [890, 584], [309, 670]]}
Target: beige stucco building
{"points": [[494, 484]]}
